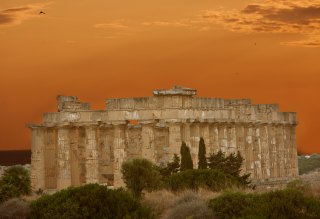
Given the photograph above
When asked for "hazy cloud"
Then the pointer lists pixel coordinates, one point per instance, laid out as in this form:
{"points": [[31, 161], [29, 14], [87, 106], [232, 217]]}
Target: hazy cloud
{"points": [[277, 16], [110, 26], [166, 24], [313, 41], [14, 16]]}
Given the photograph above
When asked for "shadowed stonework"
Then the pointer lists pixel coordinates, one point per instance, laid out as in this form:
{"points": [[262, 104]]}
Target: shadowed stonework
{"points": [[77, 145]]}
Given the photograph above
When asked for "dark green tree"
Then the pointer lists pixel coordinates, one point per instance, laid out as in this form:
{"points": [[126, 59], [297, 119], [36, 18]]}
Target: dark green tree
{"points": [[140, 174], [230, 164], [171, 168], [89, 201], [202, 160], [15, 182], [186, 160], [217, 160]]}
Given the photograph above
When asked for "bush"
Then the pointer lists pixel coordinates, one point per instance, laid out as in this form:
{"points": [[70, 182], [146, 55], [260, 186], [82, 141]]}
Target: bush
{"points": [[89, 201], [281, 204], [186, 160], [140, 174], [15, 182], [15, 208], [214, 180], [189, 205], [307, 165]]}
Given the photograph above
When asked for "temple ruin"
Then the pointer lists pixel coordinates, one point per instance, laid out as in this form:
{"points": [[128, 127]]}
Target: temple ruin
{"points": [[77, 145]]}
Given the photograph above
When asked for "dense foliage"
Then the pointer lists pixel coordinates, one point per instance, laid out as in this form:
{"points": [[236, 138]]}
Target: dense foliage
{"points": [[214, 180], [309, 163], [202, 160], [140, 174], [281, 204], [171, 167], [186, 160], [15, 182], [230, 164], [89, 201]]}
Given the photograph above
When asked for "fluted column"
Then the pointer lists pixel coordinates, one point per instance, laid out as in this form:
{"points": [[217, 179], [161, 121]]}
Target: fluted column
{"points": [[249, 150], [215, 135], [194, 147], [223, 137], [294, 152], [37, 159], [119, 154], [92, 156], [257, 156], [272, 151], [147, 135], [174, 139], [185, 133], [231, 137], [63, 158], [265, 159], [280, 152], [240, 141], [205, 134]]}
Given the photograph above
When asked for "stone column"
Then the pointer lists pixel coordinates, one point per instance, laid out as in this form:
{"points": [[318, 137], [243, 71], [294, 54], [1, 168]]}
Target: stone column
{"points": [[249, 149], [147, 135], [119, 154], [257, 153], [205, 134], [223, 138], [74, 156], [241, 144], [92, 156], [50, 158], [265, 159], [194, 147], [63, 158], [231, 138], [272, 151], [185, 133], [214, 132], [280, 147], [287, 151], [174, 139], [37, 159], [294, 152]]}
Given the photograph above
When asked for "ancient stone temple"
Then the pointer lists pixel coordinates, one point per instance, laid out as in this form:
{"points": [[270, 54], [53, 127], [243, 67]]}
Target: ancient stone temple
{"points": [[77, 145]]}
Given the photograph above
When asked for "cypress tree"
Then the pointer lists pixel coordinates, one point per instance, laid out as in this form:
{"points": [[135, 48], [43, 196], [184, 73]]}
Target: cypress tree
{"points": [[202, 160], [186, 160]]}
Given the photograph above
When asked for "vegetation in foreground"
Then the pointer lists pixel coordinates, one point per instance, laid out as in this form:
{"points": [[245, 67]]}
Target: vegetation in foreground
{"points": [[308, 164], [15, 182], [89, 201]]}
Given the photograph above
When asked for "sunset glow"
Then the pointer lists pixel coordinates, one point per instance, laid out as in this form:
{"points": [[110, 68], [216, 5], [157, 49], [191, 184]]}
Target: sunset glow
{"points": [[267, 50]]}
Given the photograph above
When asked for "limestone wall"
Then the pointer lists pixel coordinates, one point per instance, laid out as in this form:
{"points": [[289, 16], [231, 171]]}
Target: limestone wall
{"points": [[77, 145]]}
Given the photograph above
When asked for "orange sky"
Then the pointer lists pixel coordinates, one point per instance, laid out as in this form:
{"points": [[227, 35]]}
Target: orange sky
{"points": [[267, 50]]}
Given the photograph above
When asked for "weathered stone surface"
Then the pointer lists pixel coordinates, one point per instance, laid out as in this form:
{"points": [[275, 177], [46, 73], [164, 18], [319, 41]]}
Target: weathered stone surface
{"points": [[77, 145]]}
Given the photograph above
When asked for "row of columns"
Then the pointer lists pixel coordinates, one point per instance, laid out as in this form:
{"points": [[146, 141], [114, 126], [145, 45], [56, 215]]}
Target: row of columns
{"points": [[70, 156]]}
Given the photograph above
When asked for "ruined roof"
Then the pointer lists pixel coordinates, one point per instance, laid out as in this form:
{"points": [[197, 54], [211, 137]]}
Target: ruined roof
{"points": [[176, 90]]}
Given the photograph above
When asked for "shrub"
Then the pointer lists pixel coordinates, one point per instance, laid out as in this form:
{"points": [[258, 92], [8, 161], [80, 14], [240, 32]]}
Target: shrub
{"points": [[281, 204], [15, 182], [214, 180], [202, 160], [171, 167], [186, 160], [189, 205], [15, 208], [230, 164], [159, 201], [89, 201], [140, 174]]}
